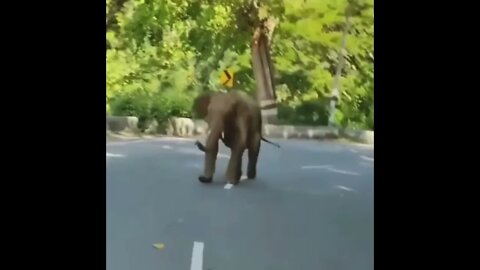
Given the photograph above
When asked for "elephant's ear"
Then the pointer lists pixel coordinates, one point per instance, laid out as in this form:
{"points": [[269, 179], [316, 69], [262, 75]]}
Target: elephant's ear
{"points": [[200, 105]]}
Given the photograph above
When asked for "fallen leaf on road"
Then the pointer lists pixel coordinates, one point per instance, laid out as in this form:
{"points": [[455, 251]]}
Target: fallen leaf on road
{"points": [[159, 245]]}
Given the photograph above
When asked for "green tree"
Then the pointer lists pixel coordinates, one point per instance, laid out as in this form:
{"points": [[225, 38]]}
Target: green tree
{"points": [[161, 53]]}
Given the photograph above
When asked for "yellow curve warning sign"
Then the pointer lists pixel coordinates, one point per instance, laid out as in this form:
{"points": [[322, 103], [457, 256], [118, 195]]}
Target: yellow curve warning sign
{"points": [[226, 78]]}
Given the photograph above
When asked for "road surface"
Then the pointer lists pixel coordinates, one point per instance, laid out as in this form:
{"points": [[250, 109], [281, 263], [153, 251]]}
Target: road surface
{"points": [[310, 208]]}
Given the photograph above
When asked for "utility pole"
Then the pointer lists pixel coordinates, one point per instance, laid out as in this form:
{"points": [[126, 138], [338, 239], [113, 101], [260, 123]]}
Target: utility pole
{"points": [[335, 98]]}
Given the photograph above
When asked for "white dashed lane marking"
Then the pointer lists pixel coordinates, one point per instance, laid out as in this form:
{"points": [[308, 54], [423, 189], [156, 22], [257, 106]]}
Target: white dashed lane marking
{"points": [[197, 256]]}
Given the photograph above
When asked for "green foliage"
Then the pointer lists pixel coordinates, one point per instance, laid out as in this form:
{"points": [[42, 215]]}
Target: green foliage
{"points": [[147, 107], [313, 112], [162, 53], [306, 55]]}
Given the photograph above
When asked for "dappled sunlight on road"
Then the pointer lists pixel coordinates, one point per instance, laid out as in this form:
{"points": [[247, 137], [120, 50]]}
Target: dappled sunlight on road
{"points": [[342, 171], [366, 164], [316, 166], [367, 158], [345, 188], [194, 165]]}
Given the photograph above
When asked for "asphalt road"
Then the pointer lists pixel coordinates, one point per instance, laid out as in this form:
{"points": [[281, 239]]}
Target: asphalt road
{"points": [[311, 207]]}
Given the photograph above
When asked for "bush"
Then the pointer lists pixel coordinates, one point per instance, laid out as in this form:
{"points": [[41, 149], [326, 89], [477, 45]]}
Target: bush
{"points": [[314, 112], [132, 104], [157, 107]]}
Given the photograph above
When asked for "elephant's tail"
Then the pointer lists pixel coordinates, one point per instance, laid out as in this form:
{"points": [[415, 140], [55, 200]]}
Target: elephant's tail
{"points": [[200, 146], [272, 143]]}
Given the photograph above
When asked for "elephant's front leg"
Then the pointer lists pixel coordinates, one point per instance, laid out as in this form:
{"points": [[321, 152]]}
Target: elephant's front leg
{"points": [[211, 152]]}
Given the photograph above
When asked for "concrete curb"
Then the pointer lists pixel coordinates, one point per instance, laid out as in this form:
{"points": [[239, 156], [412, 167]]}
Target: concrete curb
{"points": [[129, 124], [122, 124], [361, 136], [318, 132], [301, 132]]}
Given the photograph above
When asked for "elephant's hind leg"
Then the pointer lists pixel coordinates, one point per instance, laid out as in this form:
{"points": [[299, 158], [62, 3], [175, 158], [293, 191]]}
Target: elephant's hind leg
{"points": [[234, 169], [253, 152]]}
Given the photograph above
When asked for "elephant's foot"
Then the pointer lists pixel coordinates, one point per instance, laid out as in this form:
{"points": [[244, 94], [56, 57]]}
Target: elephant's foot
{"points": [[251, 174], [234, 180], [204, 179]]}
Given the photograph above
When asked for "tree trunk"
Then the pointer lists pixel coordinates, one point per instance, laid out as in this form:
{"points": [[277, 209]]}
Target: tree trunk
{"points": [[341, 60], [263, 70]]}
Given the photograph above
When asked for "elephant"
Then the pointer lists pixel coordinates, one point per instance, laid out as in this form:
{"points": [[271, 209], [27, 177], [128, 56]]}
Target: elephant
{"points": [[238, 117]]}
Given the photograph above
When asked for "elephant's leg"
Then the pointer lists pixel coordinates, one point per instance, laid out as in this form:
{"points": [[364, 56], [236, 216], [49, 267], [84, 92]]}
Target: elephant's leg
{"points": [[253, 152], [212, 151], [229, 136], [238, 139], [234, 168]]}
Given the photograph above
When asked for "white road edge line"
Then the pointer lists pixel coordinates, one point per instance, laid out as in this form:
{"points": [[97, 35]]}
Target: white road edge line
{"points": [[197, 256]]}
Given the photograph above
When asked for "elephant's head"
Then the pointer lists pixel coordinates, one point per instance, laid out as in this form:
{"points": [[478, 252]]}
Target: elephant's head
{"points": [[200, 105]]}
